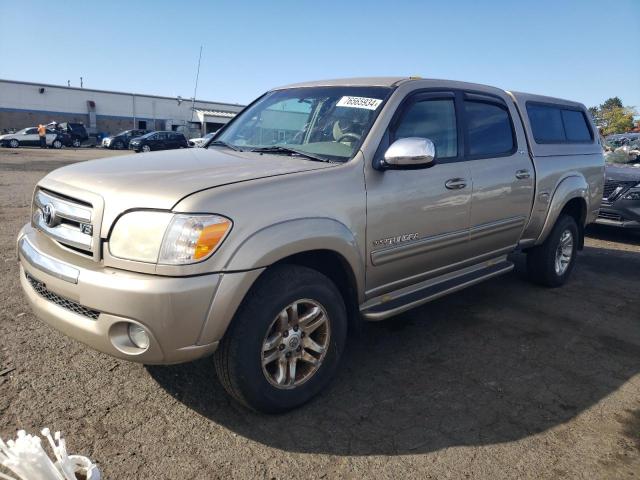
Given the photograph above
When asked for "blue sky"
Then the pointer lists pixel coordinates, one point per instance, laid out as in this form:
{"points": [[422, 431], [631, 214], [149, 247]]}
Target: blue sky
{"points": [[583, 50]]}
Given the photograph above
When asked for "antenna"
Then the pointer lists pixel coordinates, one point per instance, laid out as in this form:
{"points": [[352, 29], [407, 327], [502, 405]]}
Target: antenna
{"points": [[195, 90]]}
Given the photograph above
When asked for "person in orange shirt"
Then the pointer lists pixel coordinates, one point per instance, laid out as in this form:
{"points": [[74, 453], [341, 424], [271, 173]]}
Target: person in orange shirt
{"points": [[42, 132]]}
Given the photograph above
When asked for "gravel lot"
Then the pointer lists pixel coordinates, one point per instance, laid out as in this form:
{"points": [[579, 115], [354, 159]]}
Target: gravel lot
{"points": [[504, 380]]}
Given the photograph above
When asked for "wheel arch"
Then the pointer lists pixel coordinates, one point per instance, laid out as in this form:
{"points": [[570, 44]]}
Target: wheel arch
{"points": [[322, 244], [570, 197]]}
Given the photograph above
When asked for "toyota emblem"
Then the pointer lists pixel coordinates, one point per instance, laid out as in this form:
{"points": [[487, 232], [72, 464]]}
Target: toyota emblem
{"points": [[49, 215]]}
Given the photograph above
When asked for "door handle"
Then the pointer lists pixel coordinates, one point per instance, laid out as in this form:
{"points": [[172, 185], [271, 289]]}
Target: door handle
{"points": [[522, 174], [455, 183]]}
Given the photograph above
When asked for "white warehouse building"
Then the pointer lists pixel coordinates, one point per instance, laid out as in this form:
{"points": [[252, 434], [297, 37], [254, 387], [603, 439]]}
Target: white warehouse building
{"points": [[27, 104]]}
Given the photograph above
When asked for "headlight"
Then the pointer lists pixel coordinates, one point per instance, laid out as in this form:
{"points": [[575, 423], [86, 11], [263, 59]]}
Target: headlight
{"points": [[167, 238]]}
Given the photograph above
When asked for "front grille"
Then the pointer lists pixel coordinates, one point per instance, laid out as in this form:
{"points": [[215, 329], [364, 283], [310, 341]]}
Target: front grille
{"points": [[67, 220], [41, 289], [614, 188], [610, 216]]}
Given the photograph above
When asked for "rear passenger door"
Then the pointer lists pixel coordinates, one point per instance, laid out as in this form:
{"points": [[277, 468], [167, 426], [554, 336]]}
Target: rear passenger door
{"points": [[502, 172], [174, 140], [30, 137]]}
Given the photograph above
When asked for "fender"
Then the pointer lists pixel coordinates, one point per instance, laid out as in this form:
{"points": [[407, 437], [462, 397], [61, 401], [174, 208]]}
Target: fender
{"points": [[573, 186], [280, 240], [268, 246]]}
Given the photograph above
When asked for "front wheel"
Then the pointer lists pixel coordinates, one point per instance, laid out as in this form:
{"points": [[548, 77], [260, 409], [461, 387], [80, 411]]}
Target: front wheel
{"points": [[13, 143], [551, 263], [146, 148], [76, 143], [285, 342]]}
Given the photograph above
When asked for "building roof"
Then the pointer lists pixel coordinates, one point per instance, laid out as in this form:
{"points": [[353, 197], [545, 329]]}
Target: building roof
{"points": [[65, 87]]}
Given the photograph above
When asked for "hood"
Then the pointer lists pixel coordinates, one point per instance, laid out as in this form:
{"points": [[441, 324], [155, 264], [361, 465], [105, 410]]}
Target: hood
{"points": [[622, 172], [159, 180]]}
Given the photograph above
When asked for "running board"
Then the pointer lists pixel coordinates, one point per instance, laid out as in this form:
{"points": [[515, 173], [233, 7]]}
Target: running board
{"points": [[416, 298]]}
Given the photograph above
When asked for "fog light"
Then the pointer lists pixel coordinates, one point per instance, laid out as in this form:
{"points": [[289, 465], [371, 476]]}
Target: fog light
{"points": [[138, 336]]}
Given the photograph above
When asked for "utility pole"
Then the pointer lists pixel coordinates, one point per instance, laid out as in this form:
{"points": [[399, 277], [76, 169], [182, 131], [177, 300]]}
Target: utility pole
{"points": [[80, 82], [195, 90], [68, 83]]}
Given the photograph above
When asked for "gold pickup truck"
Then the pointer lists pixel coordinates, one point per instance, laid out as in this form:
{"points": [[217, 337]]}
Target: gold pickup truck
{"points": [[320, 205]]}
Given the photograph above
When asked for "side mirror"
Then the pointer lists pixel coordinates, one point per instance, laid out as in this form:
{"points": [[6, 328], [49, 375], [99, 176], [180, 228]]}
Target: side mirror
{"points": [[411, 152]]}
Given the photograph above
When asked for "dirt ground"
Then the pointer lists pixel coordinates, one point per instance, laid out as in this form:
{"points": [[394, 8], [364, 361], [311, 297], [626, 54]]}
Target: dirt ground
{"points": [[503, 380]]}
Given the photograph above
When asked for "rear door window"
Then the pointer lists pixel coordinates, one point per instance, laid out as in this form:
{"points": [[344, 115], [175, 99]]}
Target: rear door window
{"points": [[489, 131], [432, 119]]}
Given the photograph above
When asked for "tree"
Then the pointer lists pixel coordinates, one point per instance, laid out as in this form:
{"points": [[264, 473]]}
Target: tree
{"points": [[612, 117], [613, 102]]}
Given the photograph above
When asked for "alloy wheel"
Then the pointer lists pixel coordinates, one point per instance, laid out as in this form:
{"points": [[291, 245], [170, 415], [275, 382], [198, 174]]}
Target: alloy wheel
{"points": [[564, 252], [296, 344]]}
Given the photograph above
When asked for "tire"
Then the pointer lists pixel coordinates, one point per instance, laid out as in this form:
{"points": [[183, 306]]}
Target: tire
{"points": [[240, 355], [13, 143], [146, 148], [76, 143], [119, 145], [542, 266], [57, 144]]}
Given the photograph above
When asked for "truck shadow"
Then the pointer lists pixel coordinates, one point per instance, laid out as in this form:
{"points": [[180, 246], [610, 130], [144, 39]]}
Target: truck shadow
{"points": [[501, 361], [614, 234]]}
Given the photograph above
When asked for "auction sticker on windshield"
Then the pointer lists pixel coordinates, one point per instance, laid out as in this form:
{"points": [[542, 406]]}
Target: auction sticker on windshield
{"points": [[359, 102]]}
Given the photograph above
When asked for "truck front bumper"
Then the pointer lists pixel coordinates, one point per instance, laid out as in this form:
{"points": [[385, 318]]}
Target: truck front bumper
{"points": [[96, 304]]}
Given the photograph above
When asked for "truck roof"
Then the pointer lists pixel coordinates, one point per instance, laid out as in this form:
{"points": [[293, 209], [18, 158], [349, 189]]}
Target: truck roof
{"points": [[395, 81]]}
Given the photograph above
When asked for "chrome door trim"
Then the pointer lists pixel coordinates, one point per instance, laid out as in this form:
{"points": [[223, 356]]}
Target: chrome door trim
{"points": [[47, 264], [387, 255]]}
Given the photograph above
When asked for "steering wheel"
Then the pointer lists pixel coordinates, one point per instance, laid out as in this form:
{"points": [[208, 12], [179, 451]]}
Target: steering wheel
{"points": [[354, 137]]}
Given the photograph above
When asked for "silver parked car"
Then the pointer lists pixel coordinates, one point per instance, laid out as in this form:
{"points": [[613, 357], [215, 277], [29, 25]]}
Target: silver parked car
{"points": [[319, 205]]}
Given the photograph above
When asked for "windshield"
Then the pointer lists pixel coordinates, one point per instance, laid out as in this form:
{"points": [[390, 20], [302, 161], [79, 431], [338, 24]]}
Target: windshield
{"points": [[124, 134], [325, 122]]}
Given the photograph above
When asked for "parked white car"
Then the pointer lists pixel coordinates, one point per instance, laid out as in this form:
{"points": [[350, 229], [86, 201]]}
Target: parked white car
{"points": [[29, 137], [200, 142]]}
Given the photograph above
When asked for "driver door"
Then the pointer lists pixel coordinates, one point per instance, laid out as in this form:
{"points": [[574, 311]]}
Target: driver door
{"points": [[418, 219]]}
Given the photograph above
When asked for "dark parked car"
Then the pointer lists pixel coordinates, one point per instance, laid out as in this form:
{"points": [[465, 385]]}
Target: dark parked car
{"points": [[121, 140], [158, 141], [621, 198], [76, 133]]}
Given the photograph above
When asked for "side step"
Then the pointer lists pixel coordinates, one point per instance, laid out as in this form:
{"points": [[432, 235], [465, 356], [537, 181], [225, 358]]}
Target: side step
{"points": [[419, 297]]}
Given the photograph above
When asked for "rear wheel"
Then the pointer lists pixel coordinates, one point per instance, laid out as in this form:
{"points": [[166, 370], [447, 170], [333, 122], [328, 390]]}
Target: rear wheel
{"points": [[57, 144], [551, 263], [118, 145], [285, 342]]}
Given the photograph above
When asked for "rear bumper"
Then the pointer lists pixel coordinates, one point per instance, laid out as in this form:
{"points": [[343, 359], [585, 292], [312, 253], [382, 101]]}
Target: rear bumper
{"points": [[95, 304]]}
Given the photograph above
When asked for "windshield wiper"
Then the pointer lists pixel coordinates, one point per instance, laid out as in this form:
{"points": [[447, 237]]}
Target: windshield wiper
{"points": [[224, 144], [287, 150]]}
